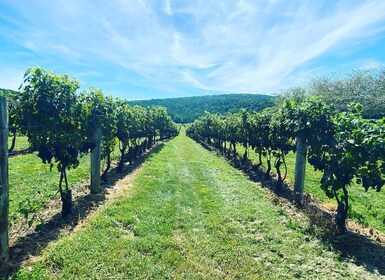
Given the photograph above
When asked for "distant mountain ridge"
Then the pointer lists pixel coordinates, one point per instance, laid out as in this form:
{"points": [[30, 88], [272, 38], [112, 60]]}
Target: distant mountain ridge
{"points": [[187, 109]]}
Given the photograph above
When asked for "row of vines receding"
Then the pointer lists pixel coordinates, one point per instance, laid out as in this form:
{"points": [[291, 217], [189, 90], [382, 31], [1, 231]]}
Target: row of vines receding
{"points": [[59, 121], [344, 146]]}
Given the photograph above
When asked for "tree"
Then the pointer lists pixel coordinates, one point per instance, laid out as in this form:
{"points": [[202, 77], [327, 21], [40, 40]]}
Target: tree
{"points": [[123, 116], [361, 86], [355, 152], [100, 112], [244, 131], [344, 146], [52, 119], [13, 114]]}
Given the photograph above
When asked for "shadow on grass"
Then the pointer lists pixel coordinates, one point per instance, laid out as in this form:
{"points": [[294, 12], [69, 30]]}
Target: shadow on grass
{"points": [[34, 243], [20, 152], [352, 246]]}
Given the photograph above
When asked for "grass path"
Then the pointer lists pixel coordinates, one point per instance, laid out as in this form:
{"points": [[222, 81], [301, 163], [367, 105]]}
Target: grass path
{"points": [[190, 215]]}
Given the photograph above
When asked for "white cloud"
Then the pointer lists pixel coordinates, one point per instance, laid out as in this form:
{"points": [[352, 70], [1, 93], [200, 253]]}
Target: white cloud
{"points": [[239, 46], [167, 7], [89, 73]]}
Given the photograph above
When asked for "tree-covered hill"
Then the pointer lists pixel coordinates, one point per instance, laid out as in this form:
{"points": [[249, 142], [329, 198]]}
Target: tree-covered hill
{"points": [[7, 92], [187, 109]]}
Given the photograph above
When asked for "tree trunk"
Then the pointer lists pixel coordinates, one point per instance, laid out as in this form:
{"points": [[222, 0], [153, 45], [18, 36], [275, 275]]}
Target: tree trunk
{"points": [[342, 212], [234, 150], [277, 168], [95, 162], [300, 170], [245, 155], [66, 195], [218, 144], [149, 142], [66, 198], [260, 159], [130, 155], [121, 161], [13, 144], [136, 152], [108, 167], [267, 174], [144, 146]]}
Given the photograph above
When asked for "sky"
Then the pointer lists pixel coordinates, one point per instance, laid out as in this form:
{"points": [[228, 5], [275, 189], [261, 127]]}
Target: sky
{"points": [[142, 49]]}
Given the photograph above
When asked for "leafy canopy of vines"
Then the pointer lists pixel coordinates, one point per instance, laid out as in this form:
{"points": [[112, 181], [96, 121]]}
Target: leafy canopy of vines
{"points": [[344, 145]]}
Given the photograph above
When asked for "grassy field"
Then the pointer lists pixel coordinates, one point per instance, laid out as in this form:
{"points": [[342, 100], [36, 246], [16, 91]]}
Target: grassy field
{"points": [[367, 208], [190, 215]]}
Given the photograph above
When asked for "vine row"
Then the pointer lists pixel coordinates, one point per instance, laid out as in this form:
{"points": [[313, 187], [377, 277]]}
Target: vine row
{"points": [[344, 146]]}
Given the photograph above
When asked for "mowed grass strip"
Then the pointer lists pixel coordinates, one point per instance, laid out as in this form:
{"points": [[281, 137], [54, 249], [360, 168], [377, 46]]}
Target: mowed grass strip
{"points": [[190, 215]]}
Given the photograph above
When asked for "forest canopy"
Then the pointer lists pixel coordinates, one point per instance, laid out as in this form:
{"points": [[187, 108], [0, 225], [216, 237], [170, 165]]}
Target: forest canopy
{"points": [[188, 109], [366, 87]]}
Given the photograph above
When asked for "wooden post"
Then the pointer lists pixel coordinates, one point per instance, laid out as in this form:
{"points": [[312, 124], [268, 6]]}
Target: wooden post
{"points": [[300, 169], [4, 187], [95, 162]]}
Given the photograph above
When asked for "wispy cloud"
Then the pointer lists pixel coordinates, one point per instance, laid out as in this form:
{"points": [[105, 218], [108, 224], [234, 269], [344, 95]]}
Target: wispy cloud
{"points": [[167, 7], [231, 46]]}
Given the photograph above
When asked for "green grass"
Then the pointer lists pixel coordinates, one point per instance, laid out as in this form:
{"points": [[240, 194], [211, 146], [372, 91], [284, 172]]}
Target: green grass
{"points": [[32, 184], [190, 215], [367, 208], [20, 144]]}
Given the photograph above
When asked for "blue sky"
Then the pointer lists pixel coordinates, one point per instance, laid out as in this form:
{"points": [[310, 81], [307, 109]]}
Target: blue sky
{"points": [[141, 49]]}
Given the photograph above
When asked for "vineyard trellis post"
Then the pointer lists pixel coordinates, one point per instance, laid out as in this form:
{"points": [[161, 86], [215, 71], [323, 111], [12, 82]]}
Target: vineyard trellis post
{"points": [[4, 186], [300, 169], [95, 162]]}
